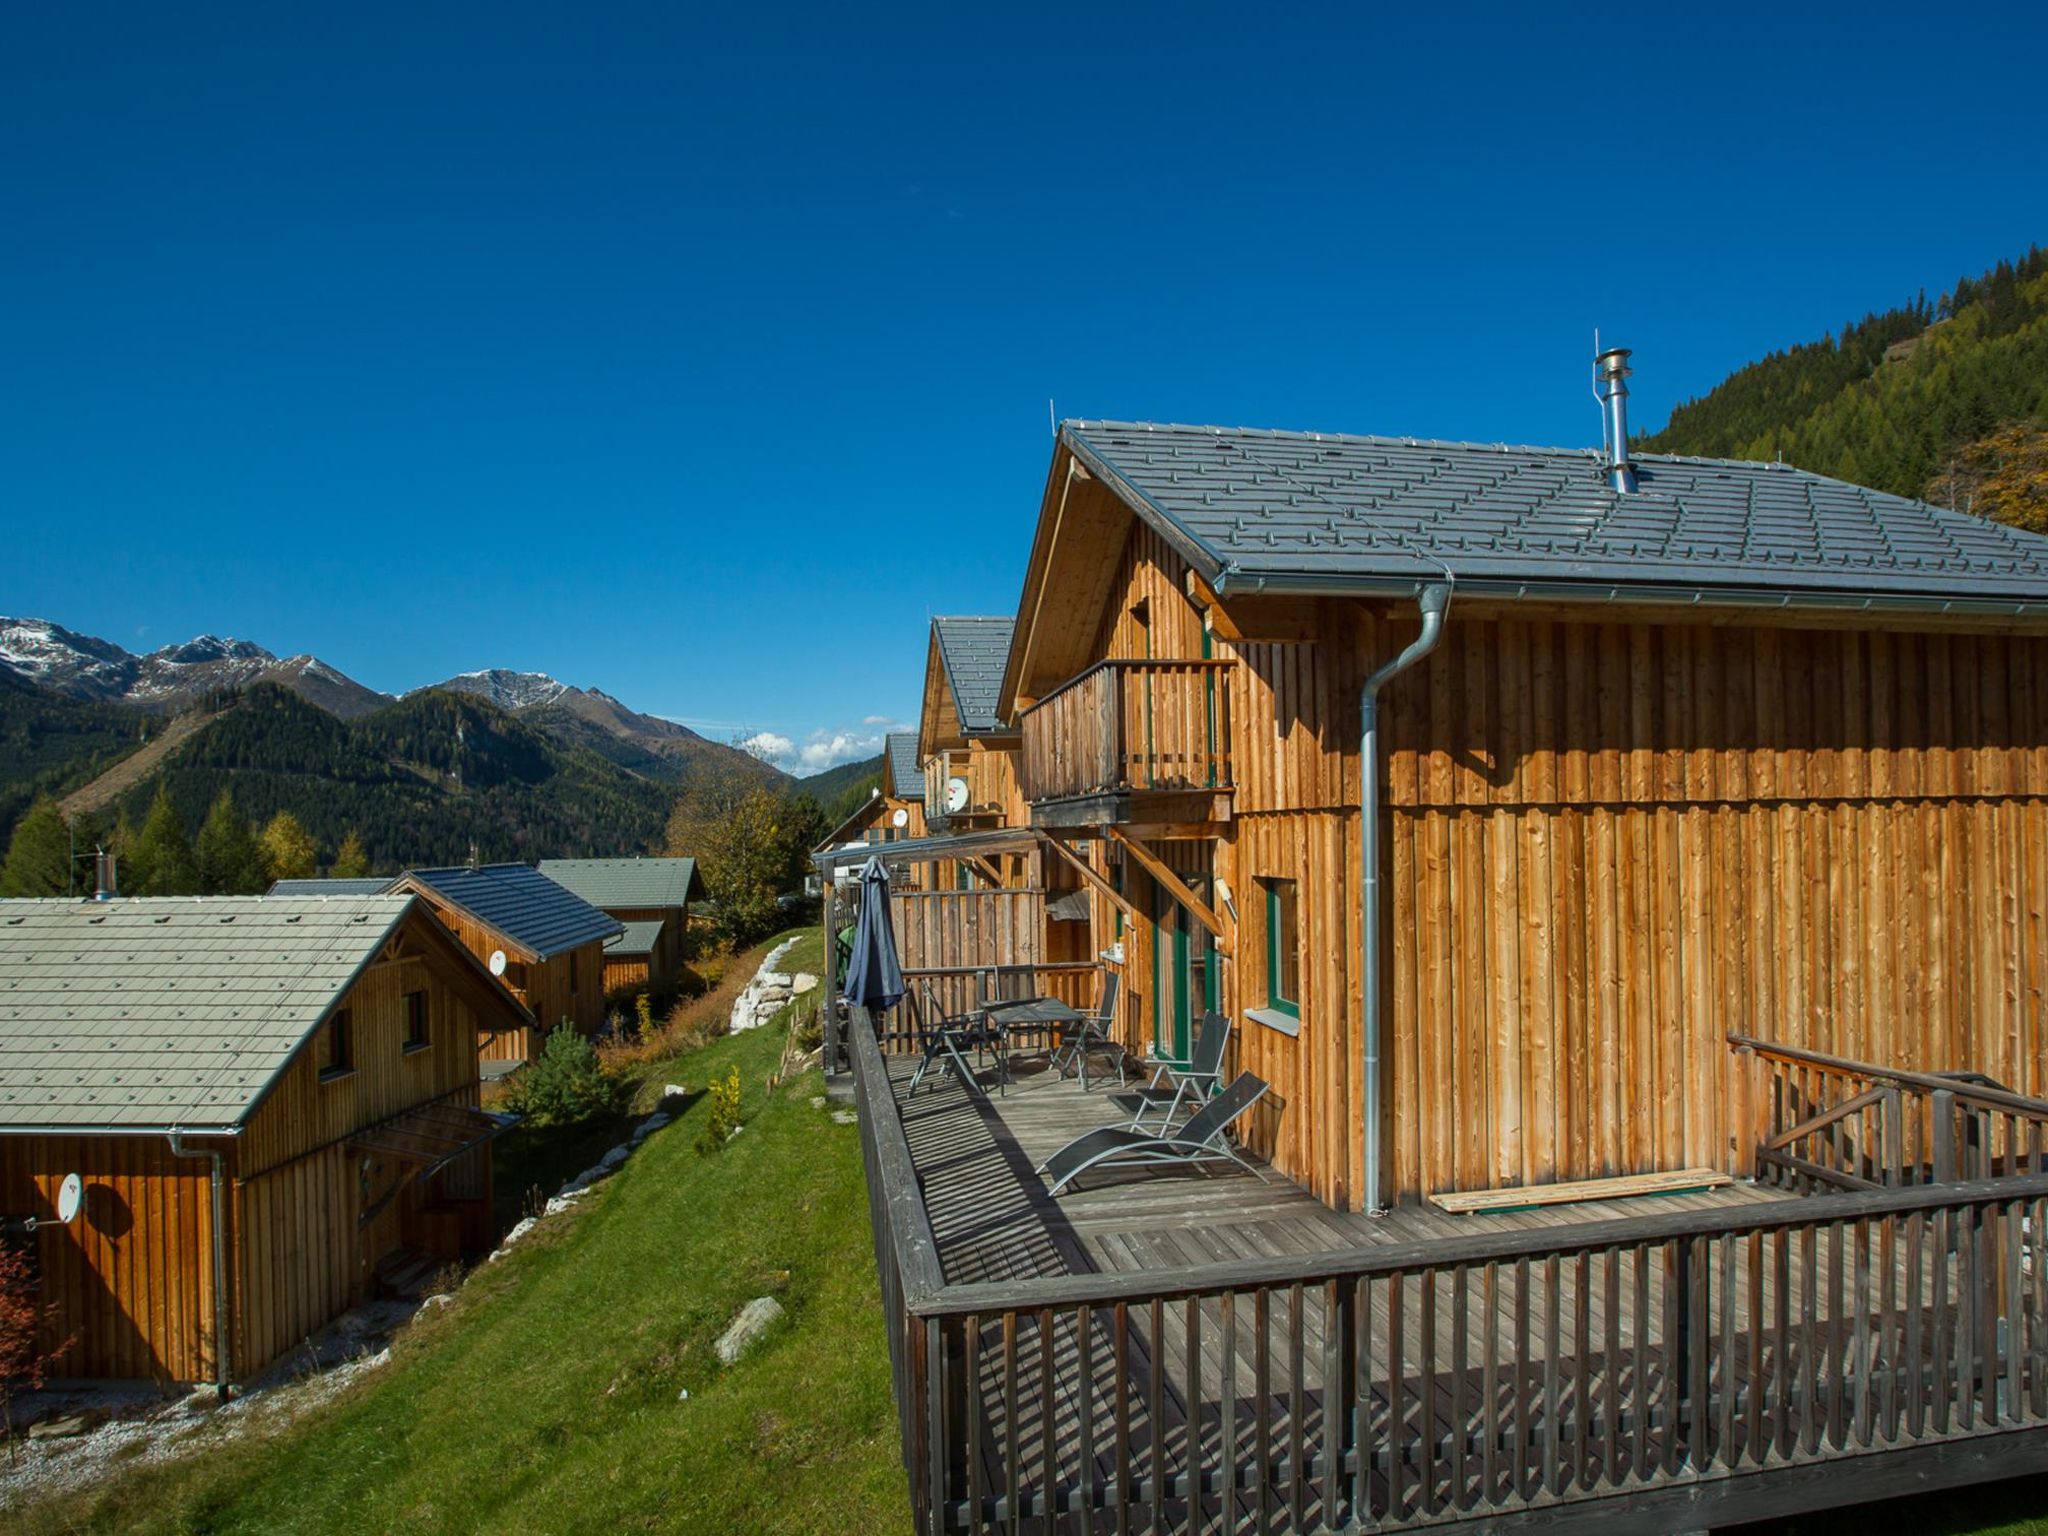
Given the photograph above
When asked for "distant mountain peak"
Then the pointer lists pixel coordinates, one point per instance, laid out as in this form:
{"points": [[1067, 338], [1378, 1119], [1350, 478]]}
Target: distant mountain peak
{"points": [[204, 648], [508, 689]]}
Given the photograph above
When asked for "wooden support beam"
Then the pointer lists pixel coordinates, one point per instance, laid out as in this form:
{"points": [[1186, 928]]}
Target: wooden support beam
{"points": [[1173, 885], [1114, 896], [986, 870]]}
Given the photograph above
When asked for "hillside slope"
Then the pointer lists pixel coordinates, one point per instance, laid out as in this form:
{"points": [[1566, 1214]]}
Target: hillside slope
{"points": [[1905, 401]]}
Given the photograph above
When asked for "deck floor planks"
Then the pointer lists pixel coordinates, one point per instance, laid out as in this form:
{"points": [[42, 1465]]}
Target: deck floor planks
{"points": [[994, 1220]]}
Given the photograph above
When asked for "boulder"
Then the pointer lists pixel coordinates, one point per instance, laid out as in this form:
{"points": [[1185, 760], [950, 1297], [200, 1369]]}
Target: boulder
{"points": [[673, 1091], [59, 1429], [648, 1127], [747, 1327], [805, 982], [612, 1159]]}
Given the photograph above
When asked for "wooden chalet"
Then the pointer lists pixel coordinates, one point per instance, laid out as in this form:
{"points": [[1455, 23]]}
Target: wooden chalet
{"points": [[543, 942], [265, 1100], [967, 749], [1659, 1084], [651, 899]]}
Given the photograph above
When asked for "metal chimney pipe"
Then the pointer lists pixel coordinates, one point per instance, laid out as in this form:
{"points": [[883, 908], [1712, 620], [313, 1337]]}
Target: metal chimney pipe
{"points": [[104, 888], [1610, 373]]}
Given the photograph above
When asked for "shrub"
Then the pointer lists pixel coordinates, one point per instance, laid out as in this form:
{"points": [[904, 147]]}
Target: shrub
{"points": [[643, 1011], [724, 1117], [567, 1084]]}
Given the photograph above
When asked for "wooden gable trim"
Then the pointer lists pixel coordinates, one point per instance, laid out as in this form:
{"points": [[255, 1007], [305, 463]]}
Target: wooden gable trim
{"points": [[1082, 527], [441, 901], [938, 725]]}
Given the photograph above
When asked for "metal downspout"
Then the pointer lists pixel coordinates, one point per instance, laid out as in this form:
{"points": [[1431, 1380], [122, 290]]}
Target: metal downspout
{"points": [[222, 1370], [1434, 601]]}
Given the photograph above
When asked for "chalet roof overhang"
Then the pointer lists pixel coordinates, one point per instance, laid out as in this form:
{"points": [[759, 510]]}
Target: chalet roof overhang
{"points": [[1376, 518], [845, 863]]}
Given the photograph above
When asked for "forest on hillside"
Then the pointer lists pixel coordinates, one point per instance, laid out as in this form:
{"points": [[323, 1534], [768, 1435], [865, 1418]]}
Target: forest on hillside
{"points": [[1944, 400]]}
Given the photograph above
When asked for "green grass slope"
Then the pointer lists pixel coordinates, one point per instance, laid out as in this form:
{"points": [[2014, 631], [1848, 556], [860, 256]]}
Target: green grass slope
{"points": [[545, 1398]]}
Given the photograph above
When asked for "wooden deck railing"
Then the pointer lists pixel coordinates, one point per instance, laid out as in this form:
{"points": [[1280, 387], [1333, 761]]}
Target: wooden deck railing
{"points": [[1130, 725], [1825, 1122], [1638, 1365]]}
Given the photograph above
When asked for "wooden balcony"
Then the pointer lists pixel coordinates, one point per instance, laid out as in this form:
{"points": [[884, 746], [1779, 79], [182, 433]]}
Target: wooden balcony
{"points": [[1123, 728], [983, 774], [1200, 1351]]}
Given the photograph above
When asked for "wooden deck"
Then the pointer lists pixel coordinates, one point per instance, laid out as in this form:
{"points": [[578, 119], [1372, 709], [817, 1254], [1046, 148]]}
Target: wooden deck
{"points": [[1174, 1350]]}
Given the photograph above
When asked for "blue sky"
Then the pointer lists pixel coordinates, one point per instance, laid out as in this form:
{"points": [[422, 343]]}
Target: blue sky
{"points": [[700, 356]]}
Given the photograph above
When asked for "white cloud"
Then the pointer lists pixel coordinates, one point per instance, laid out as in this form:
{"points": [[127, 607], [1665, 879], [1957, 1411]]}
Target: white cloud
{"points": [[828, 749], [769, 747], [876, 720]]}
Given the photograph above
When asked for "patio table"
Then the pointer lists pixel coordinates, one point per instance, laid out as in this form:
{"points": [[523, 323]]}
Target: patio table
{"points": [[1033, 1015]]}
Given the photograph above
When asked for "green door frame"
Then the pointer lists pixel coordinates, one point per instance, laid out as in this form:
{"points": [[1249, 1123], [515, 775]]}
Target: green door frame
{"points": [[1169, 983]]}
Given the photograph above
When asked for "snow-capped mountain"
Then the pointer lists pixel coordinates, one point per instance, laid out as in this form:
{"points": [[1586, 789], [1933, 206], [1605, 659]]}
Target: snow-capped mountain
{"points": [[87, 667], [508, 690]]}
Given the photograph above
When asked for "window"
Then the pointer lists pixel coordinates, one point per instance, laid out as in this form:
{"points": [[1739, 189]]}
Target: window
{"points": [[1283, 948], [415, 1021], [337, 1059]]}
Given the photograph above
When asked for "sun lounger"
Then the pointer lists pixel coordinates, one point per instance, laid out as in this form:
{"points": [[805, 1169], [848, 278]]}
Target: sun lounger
{"points": [[1201, 1140]]}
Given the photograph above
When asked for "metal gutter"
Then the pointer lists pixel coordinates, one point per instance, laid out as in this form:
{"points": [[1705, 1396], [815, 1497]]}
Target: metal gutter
{"points": [[1434, 601], [1234, 581], [119, 1130]]}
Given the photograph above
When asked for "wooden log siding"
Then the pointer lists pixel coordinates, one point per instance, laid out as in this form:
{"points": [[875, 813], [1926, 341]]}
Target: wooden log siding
{"points": [[1688, 1358], [1127, 725]]}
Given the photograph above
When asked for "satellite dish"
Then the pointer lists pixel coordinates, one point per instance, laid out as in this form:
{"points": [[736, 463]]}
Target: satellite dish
{"points": [[497, 962], [70, 1197], [956, 795], [901, 818]]}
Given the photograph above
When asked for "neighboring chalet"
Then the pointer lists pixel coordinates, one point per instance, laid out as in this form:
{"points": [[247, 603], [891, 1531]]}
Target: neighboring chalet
{"points": [[332, 885], [895, 811], [542, 941], [651, 898], [1630, 878], [266, 1099], [967, 751]]}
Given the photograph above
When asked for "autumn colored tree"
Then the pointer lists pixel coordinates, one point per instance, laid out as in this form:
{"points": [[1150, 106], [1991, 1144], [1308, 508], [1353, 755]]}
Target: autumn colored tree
{"points": [[26, 1354], [2003, 476], [288, 851], [350, 861], [750, 844]]}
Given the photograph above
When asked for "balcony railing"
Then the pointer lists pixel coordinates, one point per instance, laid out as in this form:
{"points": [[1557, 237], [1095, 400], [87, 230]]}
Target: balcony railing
{"points": [[1130, 725]]}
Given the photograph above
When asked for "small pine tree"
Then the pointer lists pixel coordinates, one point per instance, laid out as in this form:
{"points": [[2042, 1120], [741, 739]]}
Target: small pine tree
{"points": [[39, 854], [350, 861], [288, 851], [567, 1084], [161, 863], [229, 862]]}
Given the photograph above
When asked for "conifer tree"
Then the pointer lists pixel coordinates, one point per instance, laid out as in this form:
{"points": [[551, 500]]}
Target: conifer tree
{"points": [[288, 851], [161, 863], [39, 854], [230, 864], [350, 861]]}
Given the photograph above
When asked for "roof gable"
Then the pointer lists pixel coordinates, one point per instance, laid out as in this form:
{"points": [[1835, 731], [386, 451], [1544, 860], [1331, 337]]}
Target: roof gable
{"points": [[1257, 510], [516, 900], [628, 883], [973, 650], [905, 777], [148, 1012]]}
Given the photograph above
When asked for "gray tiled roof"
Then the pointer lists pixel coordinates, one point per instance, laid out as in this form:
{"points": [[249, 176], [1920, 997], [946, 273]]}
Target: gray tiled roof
{"points": [[974, 651], [332, 885], [906, 778], [169, 1011], [628, 882], [521, 903], [638, 937], [1248, 504]]}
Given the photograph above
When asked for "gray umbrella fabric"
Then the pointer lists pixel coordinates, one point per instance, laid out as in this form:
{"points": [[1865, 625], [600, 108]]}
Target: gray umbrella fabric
{"points": [[874, 976]]}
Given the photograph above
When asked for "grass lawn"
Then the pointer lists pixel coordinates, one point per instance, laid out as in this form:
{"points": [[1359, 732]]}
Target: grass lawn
{"points": [[545, 1398]]}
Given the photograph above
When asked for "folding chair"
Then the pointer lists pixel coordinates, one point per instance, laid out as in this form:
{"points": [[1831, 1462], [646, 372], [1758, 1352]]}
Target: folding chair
{"points": [[1184, 1083], [1093, 1034], [946, 1035], [1201, 1140]]}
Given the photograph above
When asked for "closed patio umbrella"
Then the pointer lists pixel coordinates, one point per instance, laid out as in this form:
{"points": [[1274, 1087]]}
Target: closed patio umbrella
{"points": [[874, 976]]}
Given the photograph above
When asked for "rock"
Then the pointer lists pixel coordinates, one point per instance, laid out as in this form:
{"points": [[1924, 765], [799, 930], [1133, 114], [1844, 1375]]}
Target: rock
{"points": [[562, 1202], [512, 1237], [817, 1101], [845, 1117], [805, 982], [753, 1321], [593, 1175], [612, 1159], [648, 1127], [673, 1091], [438, 1299], [769, 979], [59, 1429], [683, 1396]]}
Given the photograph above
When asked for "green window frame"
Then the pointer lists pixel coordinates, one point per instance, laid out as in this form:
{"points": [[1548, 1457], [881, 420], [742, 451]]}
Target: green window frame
{"points": [[1283, 948]]}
